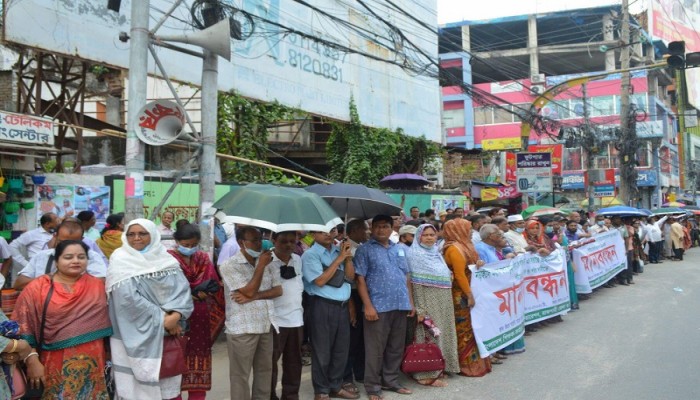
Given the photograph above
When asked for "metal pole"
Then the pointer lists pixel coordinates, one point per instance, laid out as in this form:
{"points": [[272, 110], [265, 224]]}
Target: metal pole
{"points": [[207, 162], [138, 73]]}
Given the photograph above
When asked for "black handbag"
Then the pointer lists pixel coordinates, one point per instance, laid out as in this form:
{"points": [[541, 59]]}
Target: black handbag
{"points": [[337, 279]]}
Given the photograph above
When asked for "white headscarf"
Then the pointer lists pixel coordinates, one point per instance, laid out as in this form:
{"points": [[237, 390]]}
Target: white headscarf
{"points": [[127, 262]]}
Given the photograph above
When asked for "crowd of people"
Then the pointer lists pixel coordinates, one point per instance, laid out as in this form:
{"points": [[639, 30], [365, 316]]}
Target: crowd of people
{"points": [[352, 298]]}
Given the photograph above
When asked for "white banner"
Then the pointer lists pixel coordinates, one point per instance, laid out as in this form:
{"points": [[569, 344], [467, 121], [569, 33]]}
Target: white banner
{"points": [[513, 293], [599, 261]]}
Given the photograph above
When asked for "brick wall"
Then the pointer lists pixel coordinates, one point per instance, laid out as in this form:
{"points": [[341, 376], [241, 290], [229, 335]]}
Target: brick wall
{"points": [[8, 91]]}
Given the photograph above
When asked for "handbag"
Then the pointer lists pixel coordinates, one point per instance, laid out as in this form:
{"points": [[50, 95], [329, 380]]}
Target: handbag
{"points": [[19, 383], [422, 357], [173, 361], [337, 279]]}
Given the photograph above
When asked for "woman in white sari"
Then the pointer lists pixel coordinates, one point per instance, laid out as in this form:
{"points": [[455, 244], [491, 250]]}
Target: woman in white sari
{"points": [[149, 298]]}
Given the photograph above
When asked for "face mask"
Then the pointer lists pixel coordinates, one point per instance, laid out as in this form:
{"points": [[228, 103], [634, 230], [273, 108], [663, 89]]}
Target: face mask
{"points": [[409, 244], [187, 251], [549, 229], [425, 246], [52, 230], [145, 249], [253, 253], [573, 230], [520, 230], [601, 223]]}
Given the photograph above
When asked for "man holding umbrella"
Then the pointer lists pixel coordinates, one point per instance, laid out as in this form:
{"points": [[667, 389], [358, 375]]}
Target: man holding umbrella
{"points": [[327, 271]]}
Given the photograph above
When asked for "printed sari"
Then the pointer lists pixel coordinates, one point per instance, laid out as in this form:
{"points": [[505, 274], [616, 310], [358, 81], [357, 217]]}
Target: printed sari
{"points": [[77, 321], [459, 252], [206, 321]]}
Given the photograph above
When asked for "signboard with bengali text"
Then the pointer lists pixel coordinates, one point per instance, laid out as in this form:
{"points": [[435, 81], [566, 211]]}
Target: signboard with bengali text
{"points": [[534, 172], [26, 129]]}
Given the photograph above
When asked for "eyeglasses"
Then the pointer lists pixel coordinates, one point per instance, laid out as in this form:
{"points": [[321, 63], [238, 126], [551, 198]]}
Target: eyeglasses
{"points": [[287, 272], [140, 235]]}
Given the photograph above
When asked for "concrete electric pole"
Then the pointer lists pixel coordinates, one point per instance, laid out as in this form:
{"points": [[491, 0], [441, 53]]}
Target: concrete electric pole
{"points": [[138, 73], [628, 138]]}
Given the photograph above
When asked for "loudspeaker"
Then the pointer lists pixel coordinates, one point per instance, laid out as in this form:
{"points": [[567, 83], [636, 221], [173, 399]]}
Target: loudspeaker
{"points": [[216, 38], [160, 122]]}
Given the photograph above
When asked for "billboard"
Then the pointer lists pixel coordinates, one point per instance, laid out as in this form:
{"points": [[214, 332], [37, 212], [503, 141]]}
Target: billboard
{"points": [[673, 20], [274, 63]]}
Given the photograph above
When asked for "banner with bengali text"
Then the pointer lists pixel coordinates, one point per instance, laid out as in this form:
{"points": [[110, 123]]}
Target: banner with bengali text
{"points": [[599, 261], [513, 293]]}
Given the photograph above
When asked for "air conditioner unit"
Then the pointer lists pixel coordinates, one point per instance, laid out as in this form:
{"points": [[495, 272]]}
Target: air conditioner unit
{"points": [[536, 90], [674, 141], [539, 78]]}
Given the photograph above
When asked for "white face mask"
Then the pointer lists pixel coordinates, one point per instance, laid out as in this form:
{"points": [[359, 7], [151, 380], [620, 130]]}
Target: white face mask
{"points": [[253, 253]]}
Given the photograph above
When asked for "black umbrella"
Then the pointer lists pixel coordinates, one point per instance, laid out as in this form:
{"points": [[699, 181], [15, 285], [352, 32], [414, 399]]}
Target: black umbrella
{"points": [[401, 181], [356, 201]]}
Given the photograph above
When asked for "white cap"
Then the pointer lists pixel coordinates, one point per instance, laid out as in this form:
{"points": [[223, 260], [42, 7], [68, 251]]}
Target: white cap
{"points": [[515, 218], [410, 229]]}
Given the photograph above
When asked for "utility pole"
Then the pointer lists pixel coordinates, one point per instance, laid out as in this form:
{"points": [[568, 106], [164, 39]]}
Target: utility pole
{"points": [[589, 141], [627, 148], [207, 161], [138, 73]]}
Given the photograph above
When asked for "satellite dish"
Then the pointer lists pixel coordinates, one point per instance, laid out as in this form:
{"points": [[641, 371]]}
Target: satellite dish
{"points": [[160, 122]]}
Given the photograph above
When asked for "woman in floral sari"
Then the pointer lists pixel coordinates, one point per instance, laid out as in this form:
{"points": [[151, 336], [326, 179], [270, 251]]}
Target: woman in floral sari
{"points": [[111, 236], [72, 356], [459, 253], [207, 319]]}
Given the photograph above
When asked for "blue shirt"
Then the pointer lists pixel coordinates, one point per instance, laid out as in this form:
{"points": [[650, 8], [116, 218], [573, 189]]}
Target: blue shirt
{"points": [[487, 253], [384, 270], [312, 265]]}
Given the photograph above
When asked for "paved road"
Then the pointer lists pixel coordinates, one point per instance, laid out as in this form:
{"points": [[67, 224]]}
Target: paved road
{"points": [[638, 342]]}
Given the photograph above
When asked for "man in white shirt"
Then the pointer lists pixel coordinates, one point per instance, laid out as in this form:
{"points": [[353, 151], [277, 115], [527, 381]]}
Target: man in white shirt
{"points": [[289, 315], [477, 221], [229, 249], [514, 235], [33, 241], [250, 282], [43, 262], [655, 238], [166, 229]]}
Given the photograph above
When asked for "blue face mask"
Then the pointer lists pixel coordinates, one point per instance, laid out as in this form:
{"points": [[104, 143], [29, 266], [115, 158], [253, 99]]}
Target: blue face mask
{"points": [[520, 230], [549, 229], [601, 223], [253, 253], [187, 251], [145, 249], [425, 246]]}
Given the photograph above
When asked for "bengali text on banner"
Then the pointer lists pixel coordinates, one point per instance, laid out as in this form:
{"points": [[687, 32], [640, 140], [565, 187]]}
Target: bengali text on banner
{"points": [[599, 261], [513, 293]]}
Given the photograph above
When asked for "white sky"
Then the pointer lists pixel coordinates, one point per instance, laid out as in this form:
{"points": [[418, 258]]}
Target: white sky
{"points": [[458, 10]]}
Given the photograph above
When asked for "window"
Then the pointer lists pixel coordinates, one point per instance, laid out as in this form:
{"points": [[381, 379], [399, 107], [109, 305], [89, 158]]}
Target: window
{"points": [[453, 118], [483, 116], [501, 116], [644, 156], [601, 106]]}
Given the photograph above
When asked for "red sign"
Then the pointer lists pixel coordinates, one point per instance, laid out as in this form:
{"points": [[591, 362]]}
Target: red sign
{"points": [[510, 168], [507, 192], [555, 149]]}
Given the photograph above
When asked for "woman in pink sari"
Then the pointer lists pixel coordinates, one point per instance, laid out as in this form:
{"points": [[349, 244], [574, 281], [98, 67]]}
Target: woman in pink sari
{"points": [[207, 320]]}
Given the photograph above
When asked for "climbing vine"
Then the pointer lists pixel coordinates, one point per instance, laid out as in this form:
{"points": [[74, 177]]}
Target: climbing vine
{"points": [[364, 155], [243, 131]]}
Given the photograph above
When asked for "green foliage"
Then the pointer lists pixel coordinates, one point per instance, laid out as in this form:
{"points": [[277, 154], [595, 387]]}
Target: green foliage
{"points": [[49, 165], [242, 131], [364, 155]]}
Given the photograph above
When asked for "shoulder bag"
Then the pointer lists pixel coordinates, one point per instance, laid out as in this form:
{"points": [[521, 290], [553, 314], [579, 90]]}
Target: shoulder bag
{"points": [[337, 279]]}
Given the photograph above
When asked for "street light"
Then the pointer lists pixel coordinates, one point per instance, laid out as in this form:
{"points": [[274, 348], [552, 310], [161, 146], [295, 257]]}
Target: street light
{"points": [[557, 182]]}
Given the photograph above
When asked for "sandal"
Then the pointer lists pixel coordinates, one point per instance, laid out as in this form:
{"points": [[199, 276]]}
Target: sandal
{"points": [[399, 389], [439, 383], [374, 397], [495, 360], [344, 394], [500, 356], [350, 387]]}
